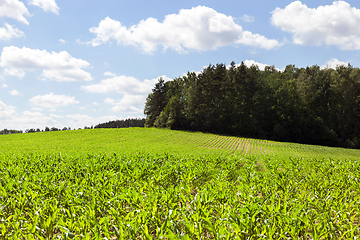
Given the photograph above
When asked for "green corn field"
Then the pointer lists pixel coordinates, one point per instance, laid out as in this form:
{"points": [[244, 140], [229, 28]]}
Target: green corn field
{"points": [[141, 183]]}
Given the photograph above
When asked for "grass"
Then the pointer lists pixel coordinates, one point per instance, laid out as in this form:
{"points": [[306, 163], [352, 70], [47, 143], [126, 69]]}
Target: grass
{"points": [[160, 141], [159, 184], [107, 141]]}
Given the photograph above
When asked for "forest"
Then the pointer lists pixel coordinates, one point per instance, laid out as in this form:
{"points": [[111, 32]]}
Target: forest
{"points": [[126, 123], [129, 122], [304, 105]]}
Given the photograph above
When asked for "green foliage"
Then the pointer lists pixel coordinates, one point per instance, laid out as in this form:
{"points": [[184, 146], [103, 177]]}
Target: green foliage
{"points": [[145, 183], [9, 131], [130, 122], [304, 105], [155, 103]]}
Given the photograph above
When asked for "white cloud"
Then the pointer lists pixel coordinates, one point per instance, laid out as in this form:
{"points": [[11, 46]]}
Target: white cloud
{"points": [[258, 40], [247, 18], [131, 104], [55, 66], [14, 9], [333, 63], [37, 109], [37, 120], [261, 66], [46, 5], [7, 112], [15, 92], [200, 28], [52, 101], [134, 92], [109, 74], [28, 119], [337, 24], [109, 101], [249, 63], [10, 119], [62, 41], [95, 103], [67, 75], [8, 32], [82, 120], [4, 85], [122, 84], [14, 72], [56, 116]]}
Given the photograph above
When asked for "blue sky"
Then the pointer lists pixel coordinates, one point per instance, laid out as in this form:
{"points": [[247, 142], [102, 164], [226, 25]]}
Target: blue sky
{"points": [[80, 63]]}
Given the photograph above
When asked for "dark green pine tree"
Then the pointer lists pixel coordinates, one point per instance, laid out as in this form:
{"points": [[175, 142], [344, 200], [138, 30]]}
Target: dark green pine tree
{"points": [[155, 102]]}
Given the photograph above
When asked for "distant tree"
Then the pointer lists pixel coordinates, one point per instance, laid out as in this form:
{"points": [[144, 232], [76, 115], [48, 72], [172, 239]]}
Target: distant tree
{"points": [[31, 130], [131, 122], [9, 131], [155, 102]]}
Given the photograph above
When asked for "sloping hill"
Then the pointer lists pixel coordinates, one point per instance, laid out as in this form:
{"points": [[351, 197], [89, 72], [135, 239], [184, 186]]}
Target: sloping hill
{"points": [[160, 141], [160, 184]]}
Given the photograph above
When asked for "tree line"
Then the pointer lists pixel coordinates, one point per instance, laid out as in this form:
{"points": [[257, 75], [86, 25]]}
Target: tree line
{"points": [[304, 105], [33, 130], [10, 131], [130, 122]]}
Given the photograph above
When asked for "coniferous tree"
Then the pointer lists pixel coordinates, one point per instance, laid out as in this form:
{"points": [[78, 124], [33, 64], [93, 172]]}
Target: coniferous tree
{"points": [[155, 102], [306, 105]]}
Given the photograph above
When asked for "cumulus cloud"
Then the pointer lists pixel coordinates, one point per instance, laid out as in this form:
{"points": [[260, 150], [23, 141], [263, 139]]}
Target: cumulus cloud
{"points": [[46, 5], [131, 104], [134, 92], [10, 119], [15, 92], [7, 112], [14, 72], [8, 32], [67, 75], [14, 9], [37, 109], [59, 67], [81, 120], [249, 63], [109, 101], [333, 63], [337, 24], [52, 101], [200, 28], [37, 119], [56, 116], [121, 84], [261, 66], [247, 18], [62, 41], [109, 74]]}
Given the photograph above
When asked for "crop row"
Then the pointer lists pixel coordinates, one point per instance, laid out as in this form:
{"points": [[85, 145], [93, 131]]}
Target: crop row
{"points": [[153, 197], [160, 141], [243, 146]]}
